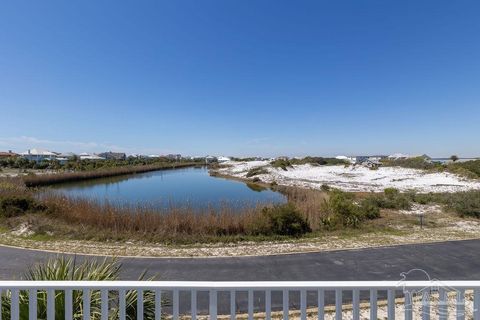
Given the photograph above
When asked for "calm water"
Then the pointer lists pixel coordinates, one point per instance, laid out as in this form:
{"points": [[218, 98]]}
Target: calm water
{"points": [[191, 186]]}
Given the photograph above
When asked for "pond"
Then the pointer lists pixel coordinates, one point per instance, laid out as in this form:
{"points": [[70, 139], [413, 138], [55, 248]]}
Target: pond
{"points": [[179, 187]]}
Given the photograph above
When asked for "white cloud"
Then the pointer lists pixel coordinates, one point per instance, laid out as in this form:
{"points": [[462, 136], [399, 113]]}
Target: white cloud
{"points": [[25, 142]]}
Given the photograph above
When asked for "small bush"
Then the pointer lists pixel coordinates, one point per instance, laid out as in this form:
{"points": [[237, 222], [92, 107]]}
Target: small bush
{"points": [[325, 187], [18, 205], [281, 163], [285, 220], [369, 209], [256, 171], [340, 209], [391, 199], [463, 203], [413, 163], [319, 161], [468, 168]]}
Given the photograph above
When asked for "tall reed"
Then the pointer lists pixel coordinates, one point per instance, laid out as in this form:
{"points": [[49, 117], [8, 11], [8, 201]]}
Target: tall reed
{"points": [[48, 179]]}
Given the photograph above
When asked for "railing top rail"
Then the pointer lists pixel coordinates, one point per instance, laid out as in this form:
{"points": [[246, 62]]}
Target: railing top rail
{"points": [[239, 285]]}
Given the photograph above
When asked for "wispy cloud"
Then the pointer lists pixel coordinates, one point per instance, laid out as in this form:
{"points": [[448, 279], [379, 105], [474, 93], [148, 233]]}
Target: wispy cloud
{"points": [[25, 142]]}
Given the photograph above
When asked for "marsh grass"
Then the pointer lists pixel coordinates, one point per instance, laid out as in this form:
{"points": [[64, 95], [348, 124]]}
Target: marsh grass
{"points": [[61, 177]]}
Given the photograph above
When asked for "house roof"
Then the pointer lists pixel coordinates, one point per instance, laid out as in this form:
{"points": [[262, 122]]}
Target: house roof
{"points": [[38, 152], [8, 154]]}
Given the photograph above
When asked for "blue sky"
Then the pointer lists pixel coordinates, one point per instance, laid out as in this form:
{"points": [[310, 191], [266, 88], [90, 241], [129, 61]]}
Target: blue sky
{"points": [[241, 77]]}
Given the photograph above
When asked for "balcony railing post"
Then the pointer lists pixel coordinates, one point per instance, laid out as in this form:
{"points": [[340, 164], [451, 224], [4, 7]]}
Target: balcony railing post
{"points": [[303, 304], [193, 303], [213, 304], [460, 304], [86, 304], [285, 303], [50, 304], [476, 304], [158, 304], [68, 304], [356, 304], [426, 305], [338, 304], [139, 304], [122, 314], [442, 304], [15, 307], [176, 304], [32, 304], [391, 304], [321, 304], [373, 304], [250, 304], [408, 306], [268, 304]]}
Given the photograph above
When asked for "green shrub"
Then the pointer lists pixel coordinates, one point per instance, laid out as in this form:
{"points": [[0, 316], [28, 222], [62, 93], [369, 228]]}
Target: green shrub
{"points": [[256, 171], [325, 187], [318, 161], [412, 163], [13, 206], [281, 163], [464, 203], [391, 199], [467, 168], [285, 220], [341, 209], [369, 209]]}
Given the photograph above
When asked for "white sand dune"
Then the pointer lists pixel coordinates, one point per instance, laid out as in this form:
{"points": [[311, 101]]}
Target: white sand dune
{"points": [[357, 179]]}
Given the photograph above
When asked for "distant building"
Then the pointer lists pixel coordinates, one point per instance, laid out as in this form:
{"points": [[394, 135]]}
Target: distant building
{"points": [[113, 155], [87, 156], [210, 159], [223, 159], [38, 155], [8, 154], [397, 156], [377, 158], [372, 164], [174, 156], [68, 155]]}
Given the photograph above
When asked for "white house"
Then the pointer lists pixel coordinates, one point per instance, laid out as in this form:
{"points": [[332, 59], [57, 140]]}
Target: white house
{"points": [[223, 159], [38, 155], [210, 159], [87, 156], [396, 156]]}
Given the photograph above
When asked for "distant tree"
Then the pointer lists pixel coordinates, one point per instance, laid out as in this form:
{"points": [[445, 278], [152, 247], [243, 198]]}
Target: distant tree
{"points": [[454, 158]]}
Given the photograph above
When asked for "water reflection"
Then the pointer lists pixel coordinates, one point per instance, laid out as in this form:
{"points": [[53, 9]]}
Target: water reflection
{"points": [[179, 187]]}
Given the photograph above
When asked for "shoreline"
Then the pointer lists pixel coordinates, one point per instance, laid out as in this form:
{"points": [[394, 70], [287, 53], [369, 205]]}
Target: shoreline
{"points": [[62, 177]]}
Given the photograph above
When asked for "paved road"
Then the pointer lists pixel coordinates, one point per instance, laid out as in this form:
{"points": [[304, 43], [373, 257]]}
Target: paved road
{"points": [[456, 260]]}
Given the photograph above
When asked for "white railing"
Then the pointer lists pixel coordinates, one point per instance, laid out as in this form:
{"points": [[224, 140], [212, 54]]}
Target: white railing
{"points": [[265, 300]]}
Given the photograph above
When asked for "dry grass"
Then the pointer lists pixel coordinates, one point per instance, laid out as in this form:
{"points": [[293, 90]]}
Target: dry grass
{"points": [[170, 224], [86, 219], [308, 202]]}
